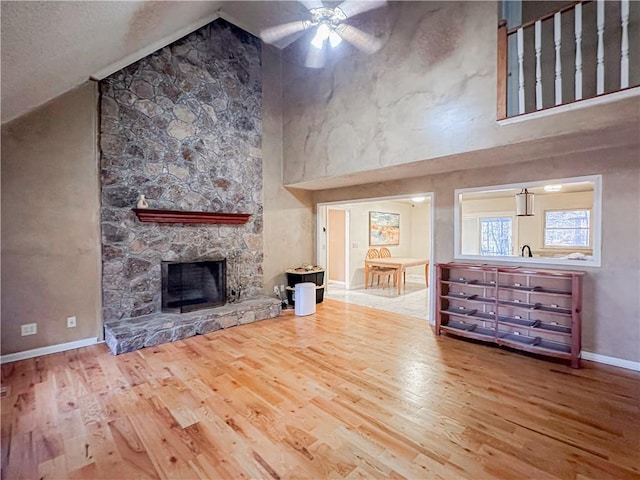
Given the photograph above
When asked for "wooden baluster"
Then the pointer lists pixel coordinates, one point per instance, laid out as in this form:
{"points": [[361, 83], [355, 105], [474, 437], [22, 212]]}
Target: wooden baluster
{"points": [[624, 45], [538, 44], [502, 70], [578, 31], [557, 32], [600, 55], [520, 43]]}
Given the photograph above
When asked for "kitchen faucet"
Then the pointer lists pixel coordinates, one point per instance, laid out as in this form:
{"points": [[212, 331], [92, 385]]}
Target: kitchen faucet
{"points": [[527, 247]]}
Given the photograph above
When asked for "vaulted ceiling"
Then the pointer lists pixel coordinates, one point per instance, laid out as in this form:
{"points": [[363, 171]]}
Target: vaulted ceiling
{"points": [[51, 47]]}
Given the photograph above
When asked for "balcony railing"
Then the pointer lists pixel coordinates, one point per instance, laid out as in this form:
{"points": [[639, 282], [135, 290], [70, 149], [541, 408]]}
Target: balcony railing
{"points": [[577, 52]]}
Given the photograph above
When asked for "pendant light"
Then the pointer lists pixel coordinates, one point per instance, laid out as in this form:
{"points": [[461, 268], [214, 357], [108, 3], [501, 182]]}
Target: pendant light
{"points": [[524, 203]]}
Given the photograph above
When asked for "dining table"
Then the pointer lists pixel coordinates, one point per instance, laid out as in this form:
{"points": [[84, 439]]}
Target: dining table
{"points": [[399, 264]]}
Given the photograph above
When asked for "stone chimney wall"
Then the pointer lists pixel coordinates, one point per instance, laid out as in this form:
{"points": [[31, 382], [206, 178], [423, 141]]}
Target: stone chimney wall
{"points": [[183, 127]]}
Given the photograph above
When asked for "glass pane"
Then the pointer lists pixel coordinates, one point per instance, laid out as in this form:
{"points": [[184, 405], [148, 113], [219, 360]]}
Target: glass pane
{"points": [[567, 228], [566, 237], [495, 236], [568, 219]]}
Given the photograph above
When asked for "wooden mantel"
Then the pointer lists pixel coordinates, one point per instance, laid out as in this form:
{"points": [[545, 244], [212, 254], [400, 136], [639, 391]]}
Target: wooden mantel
{"points": [[177, 216]]}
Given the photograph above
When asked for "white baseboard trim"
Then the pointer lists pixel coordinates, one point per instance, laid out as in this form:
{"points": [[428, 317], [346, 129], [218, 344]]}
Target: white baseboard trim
{"points": [[38, 352], [616, 362]]}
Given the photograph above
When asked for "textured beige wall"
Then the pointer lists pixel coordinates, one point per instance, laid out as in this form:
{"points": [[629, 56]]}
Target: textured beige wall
{"points": [[420, 234], [429, 93], [50, 228], [611, 305], [288, 229]]}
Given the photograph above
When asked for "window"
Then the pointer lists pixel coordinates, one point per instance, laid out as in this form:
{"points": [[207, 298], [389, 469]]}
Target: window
{"points": [[567, 228], [567, 221], [495, 236]]}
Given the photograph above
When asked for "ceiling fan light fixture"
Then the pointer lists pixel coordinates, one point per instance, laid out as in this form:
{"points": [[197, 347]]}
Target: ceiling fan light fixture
{"points": [[334, 39], [322, 33], [333, 15], [329, 24]]}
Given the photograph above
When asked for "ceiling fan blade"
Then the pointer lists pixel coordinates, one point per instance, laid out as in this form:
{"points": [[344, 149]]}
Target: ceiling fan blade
{"points": [[284, 43], [273, 34], [351, 8], [359, 39], [311, 4], [315, 57]]}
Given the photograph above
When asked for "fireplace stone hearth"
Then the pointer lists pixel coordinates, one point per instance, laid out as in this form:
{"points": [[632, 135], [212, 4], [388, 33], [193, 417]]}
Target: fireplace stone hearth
{"points": [[128, 335]]}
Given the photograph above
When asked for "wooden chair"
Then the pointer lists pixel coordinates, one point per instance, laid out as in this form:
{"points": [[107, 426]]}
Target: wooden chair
{"points": [[379, 271], [386, 253], [373, 253]]}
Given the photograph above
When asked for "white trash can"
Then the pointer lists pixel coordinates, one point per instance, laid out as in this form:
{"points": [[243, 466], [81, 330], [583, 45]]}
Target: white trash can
{"points": [[305, 298]]}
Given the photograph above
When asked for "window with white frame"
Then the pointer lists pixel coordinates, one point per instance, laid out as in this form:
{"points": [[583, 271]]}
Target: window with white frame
{"points": [[568, 221], [567, 228]]}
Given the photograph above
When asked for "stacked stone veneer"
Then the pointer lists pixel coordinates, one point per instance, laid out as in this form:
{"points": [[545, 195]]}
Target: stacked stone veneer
{"points": [[182, 127]]}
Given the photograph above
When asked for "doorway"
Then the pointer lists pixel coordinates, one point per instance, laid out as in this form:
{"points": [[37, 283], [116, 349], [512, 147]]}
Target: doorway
{"points": [[344, 235], [337, 251]]}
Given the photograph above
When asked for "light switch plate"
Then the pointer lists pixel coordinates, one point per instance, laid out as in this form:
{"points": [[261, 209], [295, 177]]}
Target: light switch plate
{"points": [[28, 329]]}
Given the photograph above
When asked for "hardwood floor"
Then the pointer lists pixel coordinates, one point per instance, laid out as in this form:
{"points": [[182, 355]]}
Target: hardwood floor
{"points": [[349, 392]]}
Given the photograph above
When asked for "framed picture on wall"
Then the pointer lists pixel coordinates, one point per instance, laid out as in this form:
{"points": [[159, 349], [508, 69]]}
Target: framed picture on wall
{"points": [[384, 228]]}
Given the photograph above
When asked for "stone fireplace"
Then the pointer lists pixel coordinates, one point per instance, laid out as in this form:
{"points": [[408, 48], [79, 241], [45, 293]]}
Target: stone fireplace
{"points": [[182, 127]]}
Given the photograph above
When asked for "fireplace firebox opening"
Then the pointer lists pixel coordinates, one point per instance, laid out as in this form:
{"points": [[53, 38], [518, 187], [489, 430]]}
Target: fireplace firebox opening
{"points": [[193, 286]]}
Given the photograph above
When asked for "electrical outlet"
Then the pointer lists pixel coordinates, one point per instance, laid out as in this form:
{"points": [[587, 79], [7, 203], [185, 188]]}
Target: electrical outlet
{"points": [[282, 288], [28, 329], [71, 322]]}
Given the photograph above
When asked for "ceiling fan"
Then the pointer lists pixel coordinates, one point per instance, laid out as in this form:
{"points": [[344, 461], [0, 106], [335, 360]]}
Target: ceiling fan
{"points": [[330, 29]]}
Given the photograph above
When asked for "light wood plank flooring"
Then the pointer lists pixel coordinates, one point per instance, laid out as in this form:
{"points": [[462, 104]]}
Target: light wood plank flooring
{"points": [[349, 392]]}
